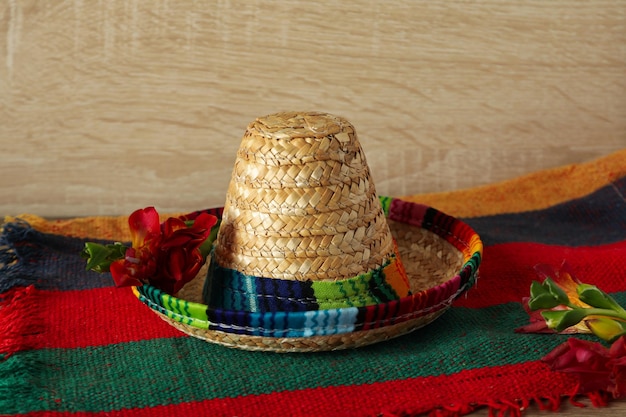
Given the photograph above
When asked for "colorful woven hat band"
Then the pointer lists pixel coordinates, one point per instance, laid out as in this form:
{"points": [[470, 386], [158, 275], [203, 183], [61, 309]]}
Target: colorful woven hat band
{"points": [[232, 290], [410, 218]]}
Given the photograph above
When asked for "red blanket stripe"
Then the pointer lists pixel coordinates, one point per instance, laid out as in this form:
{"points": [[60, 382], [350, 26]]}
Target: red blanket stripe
{"points": [[106, 316], [507, 270], [110, 315], [472, 389]]}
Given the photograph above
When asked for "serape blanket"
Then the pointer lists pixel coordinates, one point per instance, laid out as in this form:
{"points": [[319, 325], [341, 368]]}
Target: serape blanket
{"points": [[73, 345]]}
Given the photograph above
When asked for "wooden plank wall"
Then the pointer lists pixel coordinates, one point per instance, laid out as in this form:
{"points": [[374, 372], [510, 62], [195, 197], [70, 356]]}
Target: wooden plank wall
{"points": [[108, 106]]}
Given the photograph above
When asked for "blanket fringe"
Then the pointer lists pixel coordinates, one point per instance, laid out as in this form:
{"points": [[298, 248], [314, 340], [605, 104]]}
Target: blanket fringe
{"points": [[13, 252], [516, 408], [20, 331], [30, 257], [454, 410], [598, 398]]}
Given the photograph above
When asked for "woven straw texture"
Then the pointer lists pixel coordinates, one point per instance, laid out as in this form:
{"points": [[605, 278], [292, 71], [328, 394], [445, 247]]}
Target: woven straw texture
{"points": [[301, 203]]}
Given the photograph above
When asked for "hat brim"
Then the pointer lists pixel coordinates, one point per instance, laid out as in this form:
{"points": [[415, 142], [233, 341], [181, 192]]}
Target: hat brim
{"points": [[441, 256]]}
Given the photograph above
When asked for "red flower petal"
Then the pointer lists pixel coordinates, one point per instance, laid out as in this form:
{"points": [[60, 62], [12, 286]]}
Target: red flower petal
{"points": [[205, 221], [590, 361], [120, 275], [171, 225], [176, 233], [618, 348], [143, 224]]}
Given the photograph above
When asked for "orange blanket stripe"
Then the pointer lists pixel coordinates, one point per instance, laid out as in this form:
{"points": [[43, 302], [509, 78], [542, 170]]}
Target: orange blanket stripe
{"points": [[534, 191]]}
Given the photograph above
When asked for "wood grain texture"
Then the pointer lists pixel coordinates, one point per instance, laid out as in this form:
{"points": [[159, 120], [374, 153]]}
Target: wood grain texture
{"points": [[113, 105]]}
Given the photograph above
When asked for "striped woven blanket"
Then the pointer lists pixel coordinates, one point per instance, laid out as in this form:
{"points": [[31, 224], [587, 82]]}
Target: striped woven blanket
{"points": [[73, 345]]}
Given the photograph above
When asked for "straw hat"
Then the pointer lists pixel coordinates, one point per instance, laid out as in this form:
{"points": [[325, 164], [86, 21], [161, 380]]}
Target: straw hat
{"points": [[309, 258]]}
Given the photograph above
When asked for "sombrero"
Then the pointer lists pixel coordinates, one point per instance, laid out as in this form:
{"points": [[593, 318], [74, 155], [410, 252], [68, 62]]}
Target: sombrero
{"points": [[308, 257]]}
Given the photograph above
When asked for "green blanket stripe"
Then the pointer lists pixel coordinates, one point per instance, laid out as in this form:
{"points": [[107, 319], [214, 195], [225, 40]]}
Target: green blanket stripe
{"points": [[20, 374], [127, 375]]}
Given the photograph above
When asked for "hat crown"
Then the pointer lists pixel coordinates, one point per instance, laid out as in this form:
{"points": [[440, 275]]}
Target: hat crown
{"points": [[301, 203]]}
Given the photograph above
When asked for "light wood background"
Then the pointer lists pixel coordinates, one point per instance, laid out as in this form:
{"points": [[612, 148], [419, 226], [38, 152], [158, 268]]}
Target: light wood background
{"points": [[108, 106]]}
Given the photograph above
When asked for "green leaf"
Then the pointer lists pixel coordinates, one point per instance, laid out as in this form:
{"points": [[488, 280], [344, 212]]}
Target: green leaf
{"points": [[536, 289], [560, 320], [556, 291], [95, 254], [595, 297], [99, 257], [543, 301], [546, 295]]}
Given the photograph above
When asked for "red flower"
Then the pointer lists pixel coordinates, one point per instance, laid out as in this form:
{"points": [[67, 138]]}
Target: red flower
{"points": [[597, 368], [618, 353], [165, 255], [538, 323], [564, 278]]}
